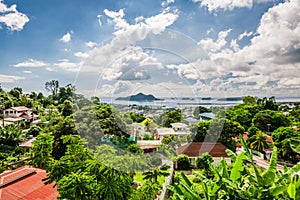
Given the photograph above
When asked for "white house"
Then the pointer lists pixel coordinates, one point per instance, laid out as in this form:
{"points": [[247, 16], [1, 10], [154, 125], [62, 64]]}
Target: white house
{"points": [[19, 114]]}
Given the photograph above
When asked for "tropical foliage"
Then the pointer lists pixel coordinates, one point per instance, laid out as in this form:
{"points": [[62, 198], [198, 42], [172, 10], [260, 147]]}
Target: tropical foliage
{"points": [[239, 181]]}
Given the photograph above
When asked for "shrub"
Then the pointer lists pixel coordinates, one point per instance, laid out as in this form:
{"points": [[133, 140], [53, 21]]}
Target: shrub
{"points": [[204, 161], [183, 162]]}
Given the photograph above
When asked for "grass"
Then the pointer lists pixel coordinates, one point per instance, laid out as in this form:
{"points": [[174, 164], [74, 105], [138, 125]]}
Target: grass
{"points": [[139, 178]]}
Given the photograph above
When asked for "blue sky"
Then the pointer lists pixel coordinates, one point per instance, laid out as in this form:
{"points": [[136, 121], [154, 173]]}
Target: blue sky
{"points": [[167, 48]]}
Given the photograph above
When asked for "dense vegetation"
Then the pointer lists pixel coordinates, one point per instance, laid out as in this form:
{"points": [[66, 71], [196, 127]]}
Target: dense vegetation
{"points": [[85, 148], [239, 181]]}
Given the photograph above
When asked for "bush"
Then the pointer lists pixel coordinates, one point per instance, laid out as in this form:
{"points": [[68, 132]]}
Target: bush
{"points": [[183, 162], [204, 161]]}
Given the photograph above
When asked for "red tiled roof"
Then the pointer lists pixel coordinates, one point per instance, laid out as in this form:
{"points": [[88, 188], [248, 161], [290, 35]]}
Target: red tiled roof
{"points": [[26, 183], [195, 149]]}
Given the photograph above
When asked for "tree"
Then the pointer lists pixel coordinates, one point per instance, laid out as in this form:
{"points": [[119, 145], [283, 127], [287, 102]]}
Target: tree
{"points": [[183, 162], [239, 181], [274, 118], [61, 126], [249, 100], [169, 117], [218, 130], [204, 161], [16, 92], [200, 109], [154, 174], [258, 142], [133, 148], [11, 135], [200, 130], [52, 86], [147, 191], [66, 93], [34, 131], [268, 104], [282, 138], [77, 185], [67, 109], [42, 150]]}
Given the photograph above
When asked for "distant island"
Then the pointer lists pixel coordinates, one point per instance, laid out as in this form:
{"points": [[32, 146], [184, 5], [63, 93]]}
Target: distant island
{"points": [[139, 97]]}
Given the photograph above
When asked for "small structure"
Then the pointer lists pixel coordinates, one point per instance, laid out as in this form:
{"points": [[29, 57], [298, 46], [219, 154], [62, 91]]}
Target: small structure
{"points": [[149, 145], [179, 127], [19, 114], [26, 183], [206, 116], [165, 132], [190, 121], [195, 149], [27, 144]]}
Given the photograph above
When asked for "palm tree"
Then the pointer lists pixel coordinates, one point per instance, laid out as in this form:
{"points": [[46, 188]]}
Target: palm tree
{"points": [[153, 175], [259, 142]]}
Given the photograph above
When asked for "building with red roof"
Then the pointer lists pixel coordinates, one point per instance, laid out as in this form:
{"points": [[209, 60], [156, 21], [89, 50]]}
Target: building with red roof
{"points": [[195, 149], [26, 183]]}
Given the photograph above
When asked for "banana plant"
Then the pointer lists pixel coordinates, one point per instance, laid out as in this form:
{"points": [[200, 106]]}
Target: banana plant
{"points": [[240, 181]]}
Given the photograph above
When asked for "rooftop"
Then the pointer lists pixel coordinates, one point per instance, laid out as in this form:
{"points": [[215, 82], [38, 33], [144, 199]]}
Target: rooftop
{"points": [[20, 108], [195, 149], [26, 183]]}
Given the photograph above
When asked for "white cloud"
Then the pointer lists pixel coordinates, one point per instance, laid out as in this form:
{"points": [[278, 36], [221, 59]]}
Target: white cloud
{"points": [[123, 50], [31, 63], [65, 65], [245, 34], [99, 20], [81, 54], [214, 5], [9, 79], [27, 72], [91, 44], [209, 45], [66, 38], [271, 62], [14, 20]]}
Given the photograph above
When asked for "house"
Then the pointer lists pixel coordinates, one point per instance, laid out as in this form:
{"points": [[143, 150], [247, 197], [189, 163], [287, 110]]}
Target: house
{"points": [[26, 183], [19, 114], [149, 145], [27, 144], [190, 121], [179, 127], [165, 132], [195, 149]]}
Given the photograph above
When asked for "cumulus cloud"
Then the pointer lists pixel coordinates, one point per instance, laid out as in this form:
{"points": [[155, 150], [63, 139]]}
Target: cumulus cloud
{"points": [[65, 65], [91, 44], [271, 60], [66, 38], [12, 18], [31, 63], [9, 78], [245, 34], [81, 54], [214, 5], [209, 45], [122, 55]]}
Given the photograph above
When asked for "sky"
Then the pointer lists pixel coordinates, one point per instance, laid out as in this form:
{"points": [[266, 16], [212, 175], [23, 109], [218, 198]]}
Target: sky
{"points": [[168, 48]]}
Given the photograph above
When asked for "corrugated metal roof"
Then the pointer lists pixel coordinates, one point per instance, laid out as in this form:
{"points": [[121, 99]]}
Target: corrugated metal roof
{"points": [[195, 149], [208, 115], [26, 183]]}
